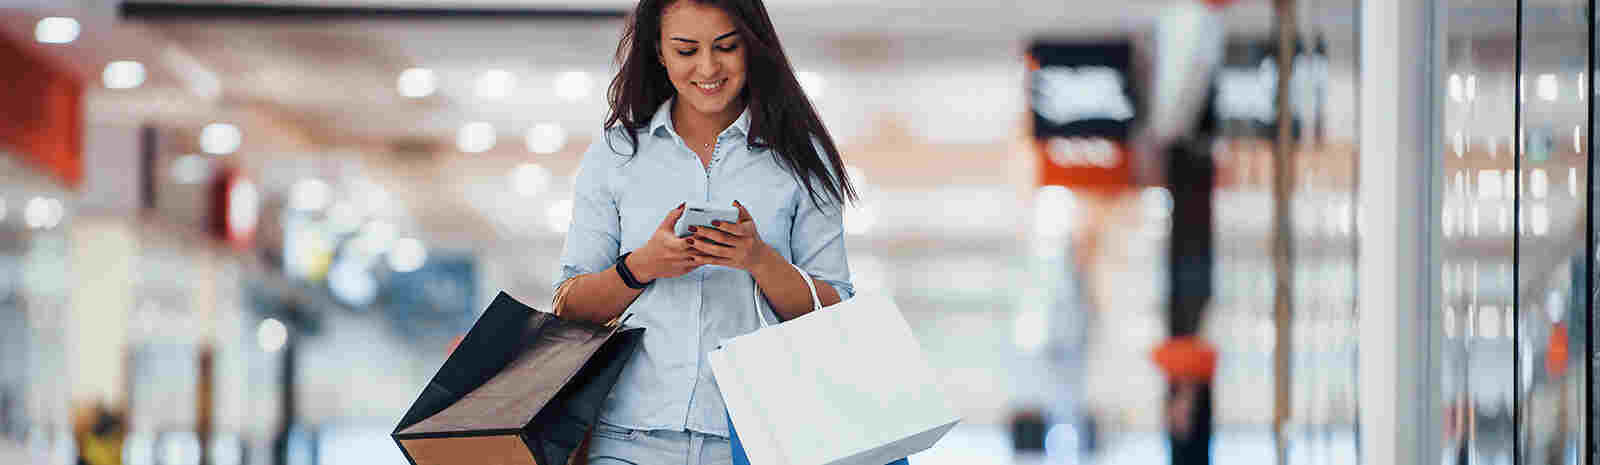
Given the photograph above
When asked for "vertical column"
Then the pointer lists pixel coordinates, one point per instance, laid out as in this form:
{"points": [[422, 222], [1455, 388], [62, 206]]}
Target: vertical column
{"points": [[1283, 178], [101, 253], [1397, 129]]}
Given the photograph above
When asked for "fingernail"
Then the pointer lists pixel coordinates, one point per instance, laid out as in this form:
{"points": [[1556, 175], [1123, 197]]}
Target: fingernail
{"points": [[691, 241], [694, 228], [716, 222]]}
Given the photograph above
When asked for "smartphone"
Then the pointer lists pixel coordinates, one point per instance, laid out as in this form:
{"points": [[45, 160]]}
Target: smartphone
{"points": [[702, 214]]}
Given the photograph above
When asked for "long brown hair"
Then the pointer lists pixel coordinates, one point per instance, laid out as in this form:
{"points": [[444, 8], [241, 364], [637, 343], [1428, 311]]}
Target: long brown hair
{"points": [[781, 117]]}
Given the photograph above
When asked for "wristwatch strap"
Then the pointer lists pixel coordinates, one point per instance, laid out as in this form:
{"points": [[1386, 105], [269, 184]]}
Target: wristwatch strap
{"points": [[628, 278]]}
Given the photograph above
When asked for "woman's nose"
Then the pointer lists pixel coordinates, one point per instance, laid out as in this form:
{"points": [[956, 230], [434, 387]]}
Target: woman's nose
{"points": [[707, 65]]}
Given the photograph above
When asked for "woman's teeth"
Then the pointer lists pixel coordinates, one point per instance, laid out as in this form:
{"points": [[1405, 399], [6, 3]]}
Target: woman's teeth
{"points": [[712, 85]]}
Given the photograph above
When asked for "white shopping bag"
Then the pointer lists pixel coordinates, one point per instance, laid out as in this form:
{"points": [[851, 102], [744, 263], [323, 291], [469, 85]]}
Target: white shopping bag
{"points": [[842, 385]]}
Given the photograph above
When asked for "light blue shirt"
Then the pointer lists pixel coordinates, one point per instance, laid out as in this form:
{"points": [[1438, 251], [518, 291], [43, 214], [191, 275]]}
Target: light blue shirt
{"points": [[618, 201]]}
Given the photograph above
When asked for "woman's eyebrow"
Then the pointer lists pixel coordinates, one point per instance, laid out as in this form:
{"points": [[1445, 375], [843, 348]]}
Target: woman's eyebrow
{"points": [[723, 36]]}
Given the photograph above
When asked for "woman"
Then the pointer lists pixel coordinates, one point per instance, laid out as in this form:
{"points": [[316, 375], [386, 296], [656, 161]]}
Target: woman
{"points": [[705, 108]]}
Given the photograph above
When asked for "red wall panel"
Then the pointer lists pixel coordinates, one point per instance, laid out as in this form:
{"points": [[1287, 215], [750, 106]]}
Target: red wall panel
{"points": [[41, 112]]}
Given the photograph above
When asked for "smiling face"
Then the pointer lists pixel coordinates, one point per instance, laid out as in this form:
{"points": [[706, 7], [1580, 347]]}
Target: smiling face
{"points": [[704, 57]]}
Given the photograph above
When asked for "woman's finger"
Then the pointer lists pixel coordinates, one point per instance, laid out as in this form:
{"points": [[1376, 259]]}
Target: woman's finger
{"points": [[744, 215], [712, 260], [724, 227], [671, 219], [715, 235], [715, 250], [678, 244]]}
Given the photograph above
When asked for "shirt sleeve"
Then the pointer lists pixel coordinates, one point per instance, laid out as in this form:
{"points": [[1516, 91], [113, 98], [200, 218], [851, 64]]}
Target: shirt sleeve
{"points": [[595, 233], [817, 238]]}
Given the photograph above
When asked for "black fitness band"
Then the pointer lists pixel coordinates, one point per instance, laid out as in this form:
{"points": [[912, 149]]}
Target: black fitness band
{"points": [[627, 275]]}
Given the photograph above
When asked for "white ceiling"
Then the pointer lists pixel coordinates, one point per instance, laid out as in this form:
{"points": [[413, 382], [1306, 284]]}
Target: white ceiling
{"points": [[336, 79], [938, 72], [854, 16]]}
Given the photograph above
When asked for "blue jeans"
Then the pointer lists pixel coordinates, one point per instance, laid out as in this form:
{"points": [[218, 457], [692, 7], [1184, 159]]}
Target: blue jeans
{"points": [[615, 445]]}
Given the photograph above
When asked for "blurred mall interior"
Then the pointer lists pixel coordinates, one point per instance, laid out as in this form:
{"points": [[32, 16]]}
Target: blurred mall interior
{"points": [[248, 231]]}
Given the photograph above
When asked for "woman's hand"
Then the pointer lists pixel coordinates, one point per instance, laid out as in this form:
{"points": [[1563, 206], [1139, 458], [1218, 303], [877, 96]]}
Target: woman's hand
{"points": [[664, 255], [734, 245]]}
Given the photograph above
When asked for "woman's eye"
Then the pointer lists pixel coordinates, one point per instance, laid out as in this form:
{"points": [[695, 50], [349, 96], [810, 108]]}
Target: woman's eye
{"points": [[689, 52], [728, 48]]}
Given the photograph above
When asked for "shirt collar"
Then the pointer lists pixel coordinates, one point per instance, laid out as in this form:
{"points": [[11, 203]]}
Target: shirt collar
{"points": [[742, 123], [662, 120]]}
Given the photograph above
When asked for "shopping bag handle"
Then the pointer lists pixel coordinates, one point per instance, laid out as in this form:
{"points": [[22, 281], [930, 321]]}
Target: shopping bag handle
{"points": [[755, 295]]}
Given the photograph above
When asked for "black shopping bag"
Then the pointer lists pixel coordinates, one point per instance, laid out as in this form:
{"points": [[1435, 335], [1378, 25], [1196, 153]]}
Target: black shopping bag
{"points": [[523, 388]]}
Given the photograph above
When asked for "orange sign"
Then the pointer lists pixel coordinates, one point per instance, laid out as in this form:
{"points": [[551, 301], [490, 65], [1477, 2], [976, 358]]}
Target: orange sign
{"points": [[1084, 163]]}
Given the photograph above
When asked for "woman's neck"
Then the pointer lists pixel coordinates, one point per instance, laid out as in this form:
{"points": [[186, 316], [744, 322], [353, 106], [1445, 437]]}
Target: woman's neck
{"points": [[694, 123]]}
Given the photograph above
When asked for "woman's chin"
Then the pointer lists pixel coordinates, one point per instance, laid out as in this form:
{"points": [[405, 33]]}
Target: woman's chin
{"points": [[709, 108]]}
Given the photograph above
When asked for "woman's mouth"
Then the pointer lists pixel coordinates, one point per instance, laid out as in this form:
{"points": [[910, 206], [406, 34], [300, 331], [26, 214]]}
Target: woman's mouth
{"points": [[710, 87]]}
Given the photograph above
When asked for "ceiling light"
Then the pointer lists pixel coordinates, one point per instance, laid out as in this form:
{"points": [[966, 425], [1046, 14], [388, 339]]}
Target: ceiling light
{"points": [[572, 85], [123, 75], [546, 138], [42, 213], [271, 335], [56, 30], [416, 82], [475, 137], [220, 138], [407, 255]]}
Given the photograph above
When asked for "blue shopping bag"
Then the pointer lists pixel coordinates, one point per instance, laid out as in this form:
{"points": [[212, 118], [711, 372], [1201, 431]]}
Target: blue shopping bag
{"points": [[739, 457]]}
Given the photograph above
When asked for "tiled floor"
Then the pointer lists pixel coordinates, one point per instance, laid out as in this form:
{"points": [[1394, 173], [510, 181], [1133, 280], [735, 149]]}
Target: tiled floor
{"points": [[965, 445], [989, 444]]}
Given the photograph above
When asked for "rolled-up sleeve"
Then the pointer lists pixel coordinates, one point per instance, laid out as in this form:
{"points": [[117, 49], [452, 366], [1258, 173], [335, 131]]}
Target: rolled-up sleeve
{"points": [[596, 229], [817, 240]]}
